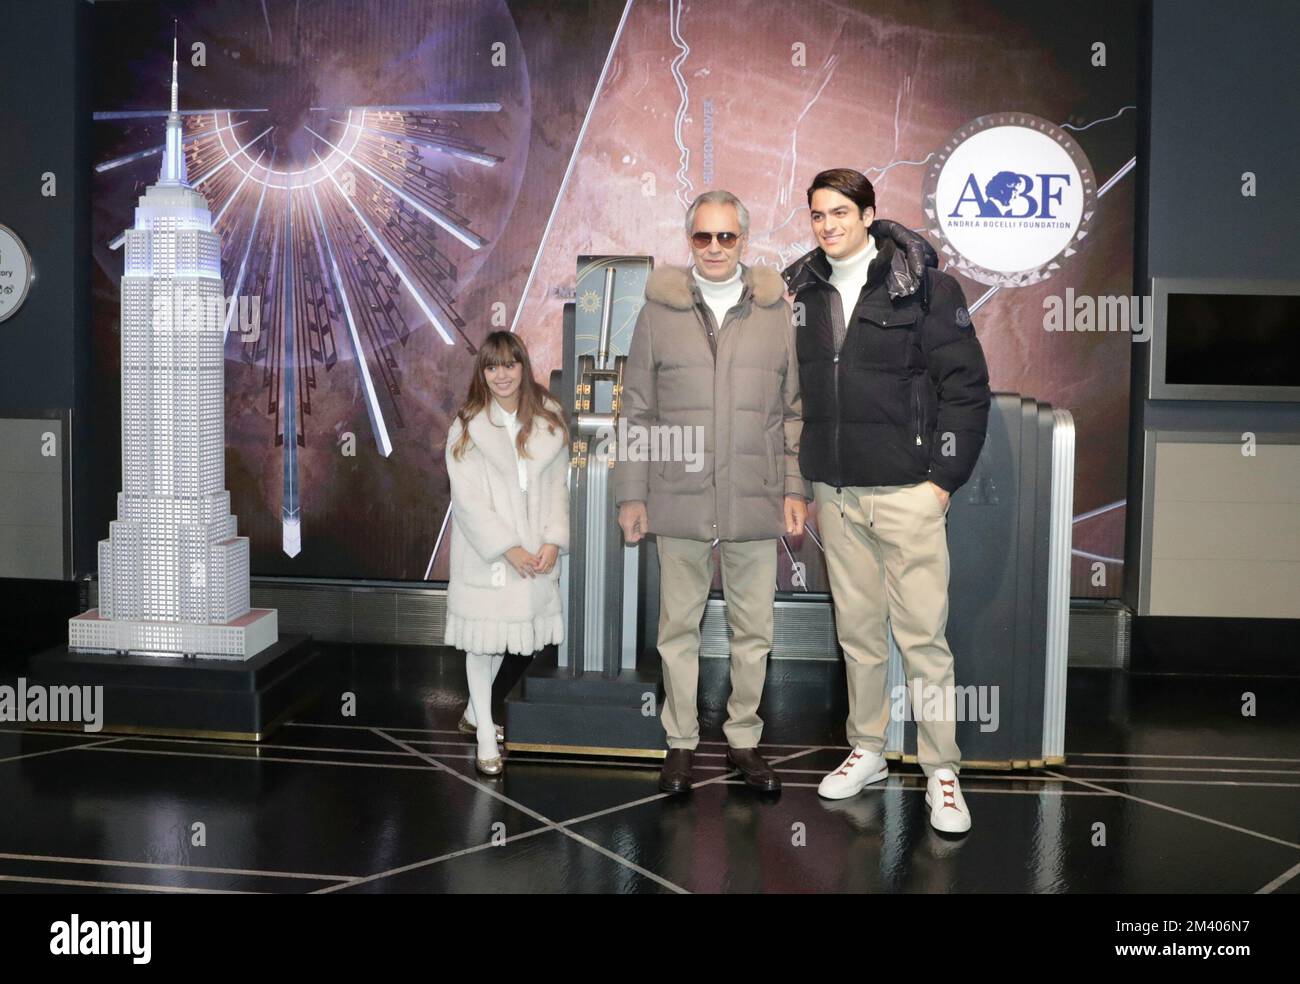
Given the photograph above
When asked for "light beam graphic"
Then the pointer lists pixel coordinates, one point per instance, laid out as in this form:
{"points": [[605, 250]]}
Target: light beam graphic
{"points": [[359, 239]]}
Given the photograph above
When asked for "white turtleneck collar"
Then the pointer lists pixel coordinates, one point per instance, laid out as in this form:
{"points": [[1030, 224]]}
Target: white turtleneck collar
{"points": [[720, 295], [706, 284], [851, 267], [850, 274]]}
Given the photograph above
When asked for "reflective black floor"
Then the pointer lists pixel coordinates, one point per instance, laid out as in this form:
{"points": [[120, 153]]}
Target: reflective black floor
{"points": [[1169, 787]]}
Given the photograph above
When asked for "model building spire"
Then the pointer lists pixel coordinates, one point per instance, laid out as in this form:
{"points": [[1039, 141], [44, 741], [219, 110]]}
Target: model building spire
{"points": [[173, 165]]}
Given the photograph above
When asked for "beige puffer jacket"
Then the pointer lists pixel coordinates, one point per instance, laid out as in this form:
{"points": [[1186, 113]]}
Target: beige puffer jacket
{"points": [[746, 406]]}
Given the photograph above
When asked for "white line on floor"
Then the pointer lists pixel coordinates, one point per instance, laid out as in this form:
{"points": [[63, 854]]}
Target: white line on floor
{"points": [[1280, 880], [528, 811], [126, 886], [1174, 809], [153, 866]]}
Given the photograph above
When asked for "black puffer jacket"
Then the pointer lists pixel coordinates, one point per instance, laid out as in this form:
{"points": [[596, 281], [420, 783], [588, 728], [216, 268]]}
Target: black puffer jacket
{"points": [[906, 398]]}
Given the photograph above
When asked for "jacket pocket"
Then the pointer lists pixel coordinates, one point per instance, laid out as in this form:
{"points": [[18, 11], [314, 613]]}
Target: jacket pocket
{"points": [[670, 472], [886, 339], [684, 473], [775, 474]]}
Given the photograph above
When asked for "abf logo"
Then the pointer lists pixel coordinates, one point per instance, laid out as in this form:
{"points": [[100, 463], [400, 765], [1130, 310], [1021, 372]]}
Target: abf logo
{"points": [[1009, 196]]}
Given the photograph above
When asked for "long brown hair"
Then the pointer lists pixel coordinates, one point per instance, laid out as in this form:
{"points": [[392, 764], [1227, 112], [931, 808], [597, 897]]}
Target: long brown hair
{"points": [[500, 348]]}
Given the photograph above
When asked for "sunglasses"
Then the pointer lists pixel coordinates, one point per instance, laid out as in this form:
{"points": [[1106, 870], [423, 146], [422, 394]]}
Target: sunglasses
{"points": [[725, 239]]}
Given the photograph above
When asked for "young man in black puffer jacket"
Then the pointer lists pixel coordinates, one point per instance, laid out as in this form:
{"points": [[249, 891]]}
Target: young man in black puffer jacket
{"points": [[895, 407]]}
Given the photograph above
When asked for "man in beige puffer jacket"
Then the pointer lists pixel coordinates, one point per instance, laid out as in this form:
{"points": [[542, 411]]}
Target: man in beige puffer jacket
{"points": [[712, 379]]}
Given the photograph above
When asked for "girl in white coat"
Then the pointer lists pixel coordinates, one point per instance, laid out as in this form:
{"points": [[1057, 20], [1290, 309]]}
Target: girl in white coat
{"points": [[508, 462]]}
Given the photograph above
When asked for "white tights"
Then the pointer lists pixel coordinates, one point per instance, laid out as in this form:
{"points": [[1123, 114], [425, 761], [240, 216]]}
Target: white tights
{"points": [[481, 669]]}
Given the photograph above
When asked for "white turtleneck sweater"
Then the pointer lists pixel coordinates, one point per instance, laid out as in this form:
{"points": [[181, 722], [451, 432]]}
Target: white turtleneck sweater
{"points": [[847, 276], [512, 428], [720, 295]]}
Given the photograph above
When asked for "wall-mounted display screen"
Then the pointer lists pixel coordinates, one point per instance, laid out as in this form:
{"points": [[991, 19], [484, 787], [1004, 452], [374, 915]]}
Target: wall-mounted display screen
{"points": [[1225, 340], [1233, 340]]}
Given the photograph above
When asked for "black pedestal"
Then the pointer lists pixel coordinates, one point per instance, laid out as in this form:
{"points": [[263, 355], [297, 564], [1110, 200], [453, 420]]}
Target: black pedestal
{"points": [[187, 697], [551, 711]]}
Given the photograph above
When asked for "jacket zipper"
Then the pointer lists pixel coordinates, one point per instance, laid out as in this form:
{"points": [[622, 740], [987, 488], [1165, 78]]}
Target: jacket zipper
{"points": [[836, 377], [835, 361], [834, 300], [916, 401], [705, 316]]}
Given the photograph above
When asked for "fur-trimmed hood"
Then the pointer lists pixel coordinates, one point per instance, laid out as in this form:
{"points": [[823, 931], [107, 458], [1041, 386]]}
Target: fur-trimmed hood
{"points": [[674, 286]]}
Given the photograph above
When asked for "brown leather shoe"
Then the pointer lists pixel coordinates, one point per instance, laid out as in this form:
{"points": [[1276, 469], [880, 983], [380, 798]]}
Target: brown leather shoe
{"points": [[758, 774], [675, 777]]}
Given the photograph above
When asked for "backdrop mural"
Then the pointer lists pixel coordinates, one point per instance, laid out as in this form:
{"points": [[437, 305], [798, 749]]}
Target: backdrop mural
{"points": [[394, 179]]}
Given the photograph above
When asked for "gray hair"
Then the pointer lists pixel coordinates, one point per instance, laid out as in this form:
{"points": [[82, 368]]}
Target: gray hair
{"points": [[718, 198]]}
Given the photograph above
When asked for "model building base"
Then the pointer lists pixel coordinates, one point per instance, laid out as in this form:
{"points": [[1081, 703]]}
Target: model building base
{"points": [[239, 639], [551, 712], [241, 701]]}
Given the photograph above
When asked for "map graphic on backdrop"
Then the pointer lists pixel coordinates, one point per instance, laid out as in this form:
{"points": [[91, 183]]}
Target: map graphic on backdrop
{"points": [[392, 180]]}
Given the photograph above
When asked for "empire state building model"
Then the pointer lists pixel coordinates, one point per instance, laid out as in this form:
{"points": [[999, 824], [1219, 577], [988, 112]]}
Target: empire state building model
{"points": [[173, 576]]}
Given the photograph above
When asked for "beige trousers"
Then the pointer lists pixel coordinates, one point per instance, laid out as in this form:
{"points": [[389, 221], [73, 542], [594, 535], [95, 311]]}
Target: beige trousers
{"points": [[749, 586], [886, 552]]}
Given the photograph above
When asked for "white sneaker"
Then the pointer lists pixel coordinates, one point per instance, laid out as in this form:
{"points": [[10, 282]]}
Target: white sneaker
{"points": [[947, 806], [860, 769]]}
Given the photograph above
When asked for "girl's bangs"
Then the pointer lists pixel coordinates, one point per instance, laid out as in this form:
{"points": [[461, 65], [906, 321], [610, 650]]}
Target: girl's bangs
{"points": [[498, 354]]}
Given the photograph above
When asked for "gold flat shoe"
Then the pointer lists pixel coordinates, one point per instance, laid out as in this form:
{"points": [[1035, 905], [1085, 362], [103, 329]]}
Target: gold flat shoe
{"points": [[489, 767], [465, 728]]}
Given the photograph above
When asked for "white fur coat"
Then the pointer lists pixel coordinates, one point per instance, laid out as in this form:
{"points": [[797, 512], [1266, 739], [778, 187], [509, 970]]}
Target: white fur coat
{"points": [[490, 608]]}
